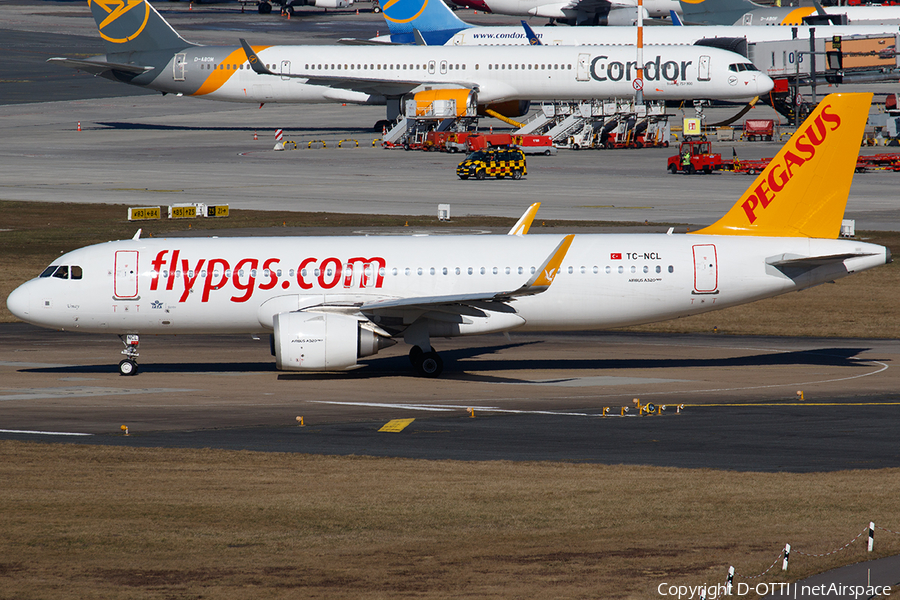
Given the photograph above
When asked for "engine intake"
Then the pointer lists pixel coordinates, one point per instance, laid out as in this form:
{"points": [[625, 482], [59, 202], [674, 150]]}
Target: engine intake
{"points": [[308, 341]]}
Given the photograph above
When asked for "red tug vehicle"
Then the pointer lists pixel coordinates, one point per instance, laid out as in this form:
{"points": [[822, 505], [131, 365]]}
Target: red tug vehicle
{"points": [[695, 156]]}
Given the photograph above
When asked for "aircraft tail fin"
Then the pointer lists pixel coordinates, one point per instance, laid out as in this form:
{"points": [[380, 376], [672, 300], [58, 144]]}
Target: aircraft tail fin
{"points": [[128, 26], [803, 192], [435, 22], [715, 12]]}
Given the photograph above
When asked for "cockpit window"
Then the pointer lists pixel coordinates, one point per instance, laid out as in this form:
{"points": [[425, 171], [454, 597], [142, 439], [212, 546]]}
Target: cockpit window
{"points": [[62, 272], [737, 67]]}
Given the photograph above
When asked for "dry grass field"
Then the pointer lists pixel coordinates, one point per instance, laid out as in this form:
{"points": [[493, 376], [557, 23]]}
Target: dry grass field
{"points": [[102, 522]]}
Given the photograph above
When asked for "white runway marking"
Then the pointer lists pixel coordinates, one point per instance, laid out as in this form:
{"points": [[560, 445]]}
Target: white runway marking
{"points": [[453, 408], [599, 381], [84, 392], [42, 432]]}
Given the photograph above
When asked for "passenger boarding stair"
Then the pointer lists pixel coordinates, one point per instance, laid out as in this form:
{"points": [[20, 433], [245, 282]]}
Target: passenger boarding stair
{"points": [[396, 132]]}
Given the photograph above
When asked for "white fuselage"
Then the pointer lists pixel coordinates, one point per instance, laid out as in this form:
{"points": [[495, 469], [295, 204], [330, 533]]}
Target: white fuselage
{"points": [[568, 9], [220, 285], [327, 73], [856, 15], [591, 36]]}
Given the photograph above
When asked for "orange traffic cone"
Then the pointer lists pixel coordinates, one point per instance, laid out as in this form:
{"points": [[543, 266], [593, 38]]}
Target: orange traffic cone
{"points": [[255, 137], [79, 125]]}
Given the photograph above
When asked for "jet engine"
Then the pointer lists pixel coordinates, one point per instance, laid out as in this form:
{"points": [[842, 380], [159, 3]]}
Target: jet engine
{"points": [[309, 341], [510, 108], [444, 102]]}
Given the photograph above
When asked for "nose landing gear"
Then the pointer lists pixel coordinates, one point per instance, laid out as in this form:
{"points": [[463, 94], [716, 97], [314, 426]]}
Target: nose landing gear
{"points": [[129, 365]]}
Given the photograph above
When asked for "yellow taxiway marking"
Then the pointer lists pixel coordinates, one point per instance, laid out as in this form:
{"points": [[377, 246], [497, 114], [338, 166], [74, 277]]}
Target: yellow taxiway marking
{"points": [[396, 426], [802, 404]]}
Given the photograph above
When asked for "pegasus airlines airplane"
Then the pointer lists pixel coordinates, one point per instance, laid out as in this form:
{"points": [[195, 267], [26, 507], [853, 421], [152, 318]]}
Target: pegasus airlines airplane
{"points": [[144, 50], [329, 301], [438, 25]]}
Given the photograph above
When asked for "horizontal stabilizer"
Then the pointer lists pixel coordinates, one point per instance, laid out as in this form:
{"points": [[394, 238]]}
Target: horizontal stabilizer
{"points": [[793, 260], [97, 67]]}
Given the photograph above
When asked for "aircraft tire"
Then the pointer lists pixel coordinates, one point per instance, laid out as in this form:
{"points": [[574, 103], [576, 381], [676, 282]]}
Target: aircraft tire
{"points": [[430, 365], [128, 367], [264, 8]]}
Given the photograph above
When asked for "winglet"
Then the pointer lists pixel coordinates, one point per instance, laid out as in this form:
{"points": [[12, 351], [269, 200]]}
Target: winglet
{"points": [[531, 35], [803, 192], [257, 65], [676, 20], [547, 272], [524, 223]]}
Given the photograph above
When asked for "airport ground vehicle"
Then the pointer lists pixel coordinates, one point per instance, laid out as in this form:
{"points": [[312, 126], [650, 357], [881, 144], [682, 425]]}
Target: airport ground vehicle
{"points": [[695, 156], [759, 129], [504, 161]]}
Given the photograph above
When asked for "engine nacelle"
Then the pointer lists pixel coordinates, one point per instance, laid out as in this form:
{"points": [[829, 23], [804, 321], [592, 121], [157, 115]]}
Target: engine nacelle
{"points": [[444, 102], [510, 108], [308, 341], [625, 16], [332, 3]]}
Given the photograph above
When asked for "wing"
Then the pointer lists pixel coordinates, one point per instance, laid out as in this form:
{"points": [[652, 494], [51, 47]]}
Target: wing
{"points": [[538, 283], [366, 85]]}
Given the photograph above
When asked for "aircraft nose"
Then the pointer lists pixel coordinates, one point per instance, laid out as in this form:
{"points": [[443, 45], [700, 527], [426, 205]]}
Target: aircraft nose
{"points": [[764, 84], [18, 302]]}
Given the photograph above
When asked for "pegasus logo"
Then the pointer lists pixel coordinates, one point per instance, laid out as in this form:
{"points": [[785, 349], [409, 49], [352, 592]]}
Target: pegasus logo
{"points": [[119, 32], [549, 274], [403, 11]]}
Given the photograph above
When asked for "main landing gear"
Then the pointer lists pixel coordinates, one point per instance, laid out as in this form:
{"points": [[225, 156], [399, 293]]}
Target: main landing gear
{"points": [[426, 364], [129, 366]]}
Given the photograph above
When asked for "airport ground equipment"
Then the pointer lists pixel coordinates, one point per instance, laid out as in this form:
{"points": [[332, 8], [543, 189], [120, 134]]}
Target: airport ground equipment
{"points": [[601, 124], [695, 156], [500, 162], [759, 129]]}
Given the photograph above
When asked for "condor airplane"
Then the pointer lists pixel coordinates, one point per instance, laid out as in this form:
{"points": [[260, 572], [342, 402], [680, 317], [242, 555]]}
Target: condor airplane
{"points": [[438, 25], [573, 12], [746, 12], [144, 50], [329, 301]]}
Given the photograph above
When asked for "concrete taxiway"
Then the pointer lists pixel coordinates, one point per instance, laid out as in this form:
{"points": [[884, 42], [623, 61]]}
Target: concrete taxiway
{"points": [[534, 398]]}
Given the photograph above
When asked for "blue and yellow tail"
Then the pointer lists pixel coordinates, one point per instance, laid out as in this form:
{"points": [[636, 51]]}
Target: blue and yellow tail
{"points": [[129, 26], [431, 18]]}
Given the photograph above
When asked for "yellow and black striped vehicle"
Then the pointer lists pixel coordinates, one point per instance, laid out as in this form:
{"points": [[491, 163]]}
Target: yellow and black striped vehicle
{"points": [[499, 162]]}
